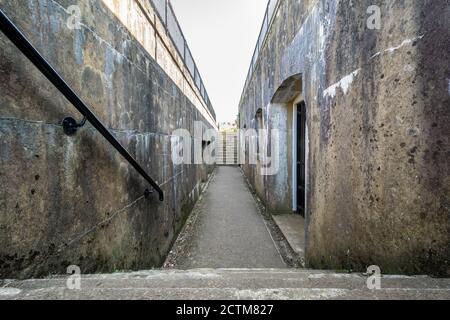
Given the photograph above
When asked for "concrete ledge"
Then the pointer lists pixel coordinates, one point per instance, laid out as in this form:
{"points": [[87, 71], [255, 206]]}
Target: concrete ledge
{"points": [[292, 226]]}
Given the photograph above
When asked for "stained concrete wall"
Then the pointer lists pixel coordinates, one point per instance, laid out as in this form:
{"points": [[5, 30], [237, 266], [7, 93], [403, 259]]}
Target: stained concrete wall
{"points": [[378, 187], [74, 200]]}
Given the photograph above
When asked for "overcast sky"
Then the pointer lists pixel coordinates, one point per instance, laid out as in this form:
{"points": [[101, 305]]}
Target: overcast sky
{"points": [[222, 35]]}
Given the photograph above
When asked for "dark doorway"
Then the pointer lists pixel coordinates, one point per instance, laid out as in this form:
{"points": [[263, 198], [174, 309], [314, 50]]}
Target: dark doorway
{"points": [[301, 157]]}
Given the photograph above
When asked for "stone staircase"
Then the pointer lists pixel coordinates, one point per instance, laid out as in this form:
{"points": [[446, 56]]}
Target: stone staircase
{"points": [[225, 284], [227, 150]]}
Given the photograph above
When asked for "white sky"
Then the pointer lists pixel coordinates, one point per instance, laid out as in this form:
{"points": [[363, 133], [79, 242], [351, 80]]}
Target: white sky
{"points": [[222, 35]]}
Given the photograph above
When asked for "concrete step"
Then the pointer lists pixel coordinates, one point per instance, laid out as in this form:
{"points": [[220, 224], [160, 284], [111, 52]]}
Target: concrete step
{"points": [[228, 284]]}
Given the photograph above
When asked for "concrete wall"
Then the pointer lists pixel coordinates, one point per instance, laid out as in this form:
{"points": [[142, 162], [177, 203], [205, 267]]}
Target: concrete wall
{"points": [[378, 187], [74, 200]]}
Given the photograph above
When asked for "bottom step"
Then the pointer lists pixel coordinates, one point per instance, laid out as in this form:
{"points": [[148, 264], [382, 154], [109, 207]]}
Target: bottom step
{"points": [[227, 284]]}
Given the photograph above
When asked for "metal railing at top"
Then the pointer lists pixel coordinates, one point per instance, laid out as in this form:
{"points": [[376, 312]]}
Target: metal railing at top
{"points": [[268, 17], [167, 15]]}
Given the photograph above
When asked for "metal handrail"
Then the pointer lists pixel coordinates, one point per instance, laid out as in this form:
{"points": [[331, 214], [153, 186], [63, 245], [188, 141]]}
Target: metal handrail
{"points": [[22, 43]]}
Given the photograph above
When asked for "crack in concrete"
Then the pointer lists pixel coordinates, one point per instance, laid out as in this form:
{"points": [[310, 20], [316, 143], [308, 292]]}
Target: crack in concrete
{"points": [[30, 121], [98, 225], [133, 133]]}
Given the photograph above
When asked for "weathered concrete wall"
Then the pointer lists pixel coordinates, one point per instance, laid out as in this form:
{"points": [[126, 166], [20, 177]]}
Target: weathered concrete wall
{"points": [[378, 187], [74, 200]]}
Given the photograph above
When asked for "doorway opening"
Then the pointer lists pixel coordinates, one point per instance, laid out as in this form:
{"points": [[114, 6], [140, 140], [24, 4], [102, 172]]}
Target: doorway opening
{"points": [[301, 158]]}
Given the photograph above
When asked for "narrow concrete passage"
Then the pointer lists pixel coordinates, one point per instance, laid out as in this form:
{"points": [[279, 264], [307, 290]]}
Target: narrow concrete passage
{"points": [[228, 231]]}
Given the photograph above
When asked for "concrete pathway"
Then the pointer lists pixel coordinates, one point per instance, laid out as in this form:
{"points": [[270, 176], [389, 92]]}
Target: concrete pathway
{"points": [[228, 231]]}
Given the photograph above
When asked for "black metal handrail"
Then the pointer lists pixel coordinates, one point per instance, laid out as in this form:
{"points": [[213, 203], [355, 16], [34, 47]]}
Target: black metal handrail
{"points": [[22, 43]]}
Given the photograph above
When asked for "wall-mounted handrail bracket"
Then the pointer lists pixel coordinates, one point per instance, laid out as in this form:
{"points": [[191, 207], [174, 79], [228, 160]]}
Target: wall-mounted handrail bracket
{"points": [[71, 126], [147, 193]]}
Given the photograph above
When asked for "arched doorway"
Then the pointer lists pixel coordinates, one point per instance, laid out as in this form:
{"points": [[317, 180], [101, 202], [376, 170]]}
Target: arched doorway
{"points": [[289, 95]]}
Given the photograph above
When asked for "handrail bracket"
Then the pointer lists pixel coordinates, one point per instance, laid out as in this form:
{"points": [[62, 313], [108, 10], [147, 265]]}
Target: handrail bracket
{"points": [[71, 126]]}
